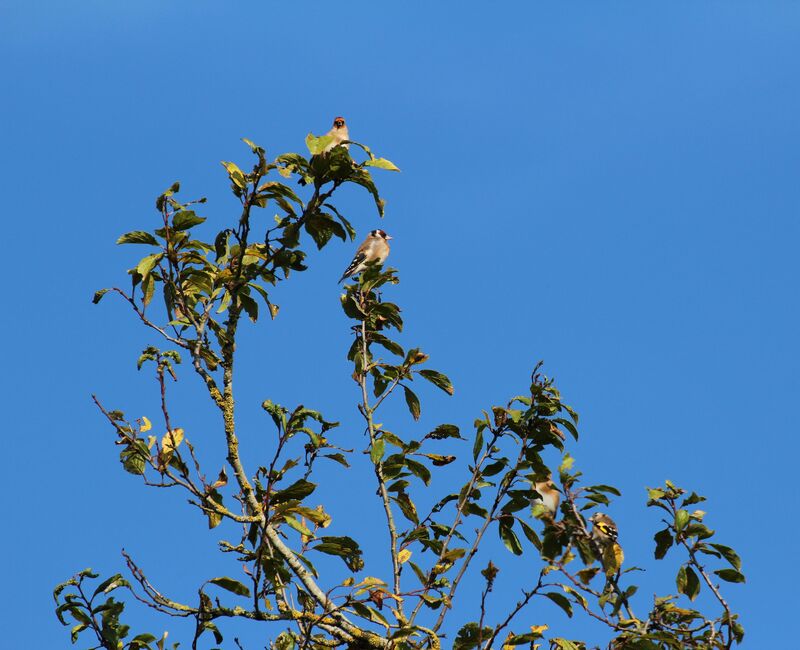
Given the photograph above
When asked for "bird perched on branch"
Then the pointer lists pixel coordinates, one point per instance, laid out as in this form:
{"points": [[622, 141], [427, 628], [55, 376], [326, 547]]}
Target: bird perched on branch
{"points": [[339, 133], [604, 533], [550, 496], [373, 250], [604, 530]]}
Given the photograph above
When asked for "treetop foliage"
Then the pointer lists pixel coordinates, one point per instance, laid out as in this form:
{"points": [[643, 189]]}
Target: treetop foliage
{"points": [[276, 527]]}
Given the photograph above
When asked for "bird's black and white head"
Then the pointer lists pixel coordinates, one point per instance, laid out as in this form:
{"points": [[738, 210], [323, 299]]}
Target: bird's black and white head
{"points": [[379, 234], [338, 122]]}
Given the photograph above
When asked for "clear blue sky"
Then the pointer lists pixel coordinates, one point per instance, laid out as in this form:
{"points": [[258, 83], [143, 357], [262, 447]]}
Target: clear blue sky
{"points": [[610, 187]]}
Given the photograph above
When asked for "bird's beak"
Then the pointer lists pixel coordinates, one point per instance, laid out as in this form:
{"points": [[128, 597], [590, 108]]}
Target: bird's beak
{"points": [[388, 237]]}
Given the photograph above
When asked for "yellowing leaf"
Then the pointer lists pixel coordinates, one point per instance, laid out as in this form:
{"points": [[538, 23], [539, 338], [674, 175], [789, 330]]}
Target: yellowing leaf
{"points": [[145, 426], [171, 440], [538, 629], [222, 479], [368, 584], [325, 517], [403, 556], [235, 174], [613, 557]]}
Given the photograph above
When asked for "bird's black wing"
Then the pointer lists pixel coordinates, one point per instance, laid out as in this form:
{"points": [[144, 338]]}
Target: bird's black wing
{"points": [[358, 259]]}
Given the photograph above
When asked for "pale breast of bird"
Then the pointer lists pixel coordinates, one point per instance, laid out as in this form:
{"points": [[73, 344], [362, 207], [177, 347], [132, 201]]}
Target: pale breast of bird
{"points": [[339, 136], [550, 497]]}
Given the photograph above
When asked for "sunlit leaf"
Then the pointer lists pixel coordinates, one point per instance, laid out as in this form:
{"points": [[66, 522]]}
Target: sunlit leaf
{"points": [[231, 585]]}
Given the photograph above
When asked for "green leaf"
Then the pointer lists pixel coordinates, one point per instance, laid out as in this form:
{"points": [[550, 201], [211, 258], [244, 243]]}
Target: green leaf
{"points": [[298, 491], [495, 468], [729, 554], [477, 445], [562, 601], [362, 177], [509, 537], [564, 644], [321, 228], [391, 346], [692, 499], [162, 199], [351, 232], [419, 470], [231, 585], [687, 582], [144, 638], [110, 584], [533, 538], [137, 237], [185, 219], [298, 526], [75, 631], [469, 636], [98, 295], [407, 507], [376, 453], [316, 145], [134, 456], [692, 584], [344, 547], [664, 541], [680, 579], [222, 246], [146, 264], [208, 625], [214, 518], [338, 457], [412, 401], [730, 575], [681, 519], [250, 306], [438, 379], [382, 163], [606, 488], [148, 289], [445, 431]]}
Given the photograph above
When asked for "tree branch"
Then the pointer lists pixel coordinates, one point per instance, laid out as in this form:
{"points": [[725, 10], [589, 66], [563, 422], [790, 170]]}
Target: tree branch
{"points": [[367, 412]]}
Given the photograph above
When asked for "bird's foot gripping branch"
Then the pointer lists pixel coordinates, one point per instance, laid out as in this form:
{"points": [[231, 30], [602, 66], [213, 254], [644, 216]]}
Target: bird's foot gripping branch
{"points": [[504, 487]]}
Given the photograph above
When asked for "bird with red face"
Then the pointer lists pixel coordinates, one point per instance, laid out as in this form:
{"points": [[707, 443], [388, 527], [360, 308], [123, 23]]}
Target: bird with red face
{"points": [[373, 250], [339, 135]]}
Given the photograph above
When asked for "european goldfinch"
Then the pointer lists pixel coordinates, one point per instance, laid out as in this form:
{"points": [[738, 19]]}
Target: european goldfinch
{"points": [[550, 496], [604, 530], [604, 533], [339, 133], [373, 250]]}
